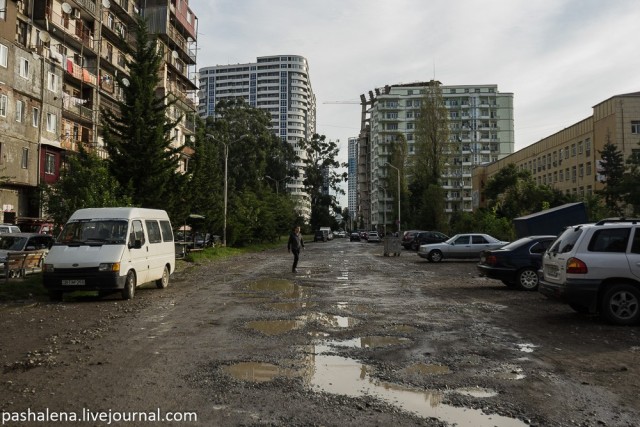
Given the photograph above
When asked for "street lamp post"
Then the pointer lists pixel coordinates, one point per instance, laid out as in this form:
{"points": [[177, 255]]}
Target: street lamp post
{"points": [[384, 210], [226, 182], [399, 222], [277, 182]]}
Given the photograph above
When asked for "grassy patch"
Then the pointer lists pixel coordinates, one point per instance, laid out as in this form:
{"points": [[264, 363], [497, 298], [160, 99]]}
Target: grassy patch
{"points": [[228, 252], [29, 287]]}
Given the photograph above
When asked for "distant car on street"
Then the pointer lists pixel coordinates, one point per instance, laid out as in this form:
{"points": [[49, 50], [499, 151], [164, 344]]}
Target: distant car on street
{"points": [[354, 237], [373, 237], [407, 238], [517, 263], [321, 236], [425, 238], [460, 246]]}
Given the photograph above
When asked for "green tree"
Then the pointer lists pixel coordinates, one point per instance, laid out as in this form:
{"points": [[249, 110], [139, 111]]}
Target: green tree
{"points": [[86, 182], [138, 136], [253, 153], [432, 148], [630, 184], [612, 170], [320, 176]]}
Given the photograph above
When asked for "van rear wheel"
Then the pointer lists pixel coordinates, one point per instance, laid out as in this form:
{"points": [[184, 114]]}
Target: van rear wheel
{"points": [[163, 282], [129, 289]]}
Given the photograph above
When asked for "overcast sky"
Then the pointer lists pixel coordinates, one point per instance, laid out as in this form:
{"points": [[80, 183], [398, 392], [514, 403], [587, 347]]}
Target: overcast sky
{"points": [[558, 57]]}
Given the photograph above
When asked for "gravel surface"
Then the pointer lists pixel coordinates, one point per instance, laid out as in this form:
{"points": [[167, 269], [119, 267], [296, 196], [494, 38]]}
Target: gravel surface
{"points": [[355, 338]]}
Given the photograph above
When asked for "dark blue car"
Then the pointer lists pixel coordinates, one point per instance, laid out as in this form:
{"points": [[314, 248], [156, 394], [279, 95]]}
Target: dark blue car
{"points": [[517, 263]]}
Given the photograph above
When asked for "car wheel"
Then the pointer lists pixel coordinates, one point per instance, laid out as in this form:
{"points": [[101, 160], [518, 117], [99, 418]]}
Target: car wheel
{"points": [[435, 256], [621, 304], [528, 279], [163, 282], [129, 289]]}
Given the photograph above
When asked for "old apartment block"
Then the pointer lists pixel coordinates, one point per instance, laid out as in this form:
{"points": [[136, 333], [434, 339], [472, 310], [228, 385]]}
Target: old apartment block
{"points": [[569, 160], [58, 66], [481, 126]]}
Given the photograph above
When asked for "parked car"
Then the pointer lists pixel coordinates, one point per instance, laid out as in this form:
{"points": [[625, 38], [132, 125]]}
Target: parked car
{"points": [[320, 236], [595, 268], [517, 263], [373, 237], [340, 233], [329, 232], [23, 242], [354, 237], [9, 228], [363, 235], [407, 238], [460, 246], [426, 237]]}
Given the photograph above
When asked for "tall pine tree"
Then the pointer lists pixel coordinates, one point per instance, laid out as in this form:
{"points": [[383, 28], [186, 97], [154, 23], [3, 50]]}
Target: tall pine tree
{"points": [[612, 171], [138, 137]]}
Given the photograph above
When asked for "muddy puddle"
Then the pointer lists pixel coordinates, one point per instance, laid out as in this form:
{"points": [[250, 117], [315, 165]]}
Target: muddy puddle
{"points": [[283, 287], [325, 372], [275, 327]]}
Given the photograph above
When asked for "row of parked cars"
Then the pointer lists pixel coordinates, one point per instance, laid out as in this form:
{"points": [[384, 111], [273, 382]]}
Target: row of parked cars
{"points": [[594, 268]]}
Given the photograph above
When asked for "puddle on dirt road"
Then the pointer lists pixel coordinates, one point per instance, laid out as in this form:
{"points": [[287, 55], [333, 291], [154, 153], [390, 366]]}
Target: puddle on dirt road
{"points": [[371, 342], [345, 376], [353, 308], [253, 371], [284, 287], [526, 348], [476, 392], [511, 374], [332, 321], [275, 327]]}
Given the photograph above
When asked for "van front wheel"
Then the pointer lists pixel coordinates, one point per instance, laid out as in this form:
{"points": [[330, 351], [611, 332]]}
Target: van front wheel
{"points": [[163, 282], [129, 286]]}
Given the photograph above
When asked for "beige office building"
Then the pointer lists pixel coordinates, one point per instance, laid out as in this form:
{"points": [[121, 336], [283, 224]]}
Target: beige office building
{"points": [[568, 160]]}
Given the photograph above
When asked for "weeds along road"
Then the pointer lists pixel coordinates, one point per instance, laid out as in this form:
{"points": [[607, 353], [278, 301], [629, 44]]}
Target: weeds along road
{"points": [[356, 338]]}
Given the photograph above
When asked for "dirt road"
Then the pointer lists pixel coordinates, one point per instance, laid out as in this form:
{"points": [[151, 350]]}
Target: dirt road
{"points": [[354, 339]]}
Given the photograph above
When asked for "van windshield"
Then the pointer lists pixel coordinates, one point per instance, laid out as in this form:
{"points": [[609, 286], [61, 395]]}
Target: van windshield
{"points": [[104, 231]]}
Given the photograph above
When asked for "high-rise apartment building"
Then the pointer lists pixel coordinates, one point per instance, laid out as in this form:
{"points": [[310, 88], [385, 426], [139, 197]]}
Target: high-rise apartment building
{"points": [[58, 65], [481, 126], [279, 84], [352, 177]]}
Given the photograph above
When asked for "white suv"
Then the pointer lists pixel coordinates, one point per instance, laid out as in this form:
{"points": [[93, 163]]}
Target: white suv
{"points": [[595, 268]]}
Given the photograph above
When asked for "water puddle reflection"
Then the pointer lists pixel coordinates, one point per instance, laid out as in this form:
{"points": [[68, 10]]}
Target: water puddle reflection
{"points": [[291, 306], [344, 376], [371, 342], [253, 371], [526, 348], [511, 374], [284, 287]]}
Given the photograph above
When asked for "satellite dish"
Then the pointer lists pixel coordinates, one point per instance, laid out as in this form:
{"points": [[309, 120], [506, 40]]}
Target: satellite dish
{"points": [[106, 4], [125, 81], [45, 37], [200, 94], [174, 54], [66, 8]]}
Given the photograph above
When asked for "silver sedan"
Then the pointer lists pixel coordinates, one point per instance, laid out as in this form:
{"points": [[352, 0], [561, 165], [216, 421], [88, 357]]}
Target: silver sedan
{"points": [[460, 246]]}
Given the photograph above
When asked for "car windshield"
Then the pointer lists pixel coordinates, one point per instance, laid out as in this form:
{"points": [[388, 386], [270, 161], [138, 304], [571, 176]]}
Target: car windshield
{"points": [[12, 243], [109, 231]]}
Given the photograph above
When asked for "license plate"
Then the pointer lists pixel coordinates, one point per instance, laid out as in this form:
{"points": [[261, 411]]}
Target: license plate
{"points": [[73, 282]]}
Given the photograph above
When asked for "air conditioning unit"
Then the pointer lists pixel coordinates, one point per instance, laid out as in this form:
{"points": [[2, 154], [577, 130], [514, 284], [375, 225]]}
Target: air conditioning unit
{"points": [[76, 13]]}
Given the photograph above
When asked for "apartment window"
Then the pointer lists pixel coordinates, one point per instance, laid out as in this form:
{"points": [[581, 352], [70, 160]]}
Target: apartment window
{"points": [[566, 152], [635, 124], [25, 158], [4, 53], [35, 121], [3, 105], [573, 150], [52, 122], [24, 68], [587, 147], [581, 170], [19, 110], [50, 164], [580, 147], [53, 82], [561, 176], [573, 174], [588, 168]]}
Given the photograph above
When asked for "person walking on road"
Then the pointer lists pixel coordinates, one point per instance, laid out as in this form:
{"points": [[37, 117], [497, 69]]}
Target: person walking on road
{"points": [[295, 245]]}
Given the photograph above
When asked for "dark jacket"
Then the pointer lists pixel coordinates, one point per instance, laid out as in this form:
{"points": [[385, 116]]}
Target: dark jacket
{"points": [[295, 242]]}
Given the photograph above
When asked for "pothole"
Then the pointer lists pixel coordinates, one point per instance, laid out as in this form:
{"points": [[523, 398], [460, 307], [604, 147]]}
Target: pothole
{"points": [[274, 327], [427, 369], [480, 392]]}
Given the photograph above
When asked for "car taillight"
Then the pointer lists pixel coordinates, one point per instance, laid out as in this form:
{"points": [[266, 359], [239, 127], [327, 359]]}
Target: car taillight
{"points": [[491, 260], [576, 266]]}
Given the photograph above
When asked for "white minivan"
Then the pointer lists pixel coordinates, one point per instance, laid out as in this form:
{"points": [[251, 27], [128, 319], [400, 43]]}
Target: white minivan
{"points": [[109, 250]]}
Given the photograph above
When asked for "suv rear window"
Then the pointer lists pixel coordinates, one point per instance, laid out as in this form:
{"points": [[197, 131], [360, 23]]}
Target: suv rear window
{"points": [[609, 240], [567, 240]]}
